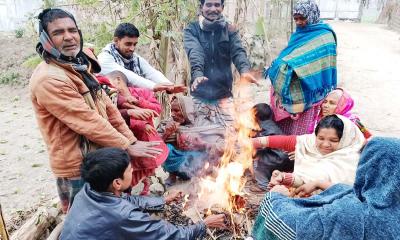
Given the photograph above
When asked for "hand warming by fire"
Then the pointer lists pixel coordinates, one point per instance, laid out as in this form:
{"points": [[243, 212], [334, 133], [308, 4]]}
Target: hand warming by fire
{"points": [[222, 191], [223, 158]]}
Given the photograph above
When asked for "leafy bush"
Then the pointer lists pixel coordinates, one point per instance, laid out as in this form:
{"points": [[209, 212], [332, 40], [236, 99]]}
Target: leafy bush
{"points": [[9, 78], [19, 33]]}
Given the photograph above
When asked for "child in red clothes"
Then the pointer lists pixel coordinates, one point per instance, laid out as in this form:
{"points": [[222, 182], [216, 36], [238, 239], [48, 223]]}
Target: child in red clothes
{"points": [[138, 106]]}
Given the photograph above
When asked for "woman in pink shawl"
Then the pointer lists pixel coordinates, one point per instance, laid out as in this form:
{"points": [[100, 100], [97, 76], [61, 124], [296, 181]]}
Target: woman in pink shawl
{"points": [[340, 102]]}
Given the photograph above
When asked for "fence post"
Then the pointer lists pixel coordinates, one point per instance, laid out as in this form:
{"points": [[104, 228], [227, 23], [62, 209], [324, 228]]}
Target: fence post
{"points": [[3, 229], [163, 98]]}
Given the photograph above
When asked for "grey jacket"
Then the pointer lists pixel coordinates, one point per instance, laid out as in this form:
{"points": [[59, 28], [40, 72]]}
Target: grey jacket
{"points": [[104, 216], [211, 54]]}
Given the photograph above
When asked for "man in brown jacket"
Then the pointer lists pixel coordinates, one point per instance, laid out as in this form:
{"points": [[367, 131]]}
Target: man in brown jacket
{"points": [[74, 115]]}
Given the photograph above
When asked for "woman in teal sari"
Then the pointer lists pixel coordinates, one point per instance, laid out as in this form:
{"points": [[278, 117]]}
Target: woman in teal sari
{"points": [[304, 72]]}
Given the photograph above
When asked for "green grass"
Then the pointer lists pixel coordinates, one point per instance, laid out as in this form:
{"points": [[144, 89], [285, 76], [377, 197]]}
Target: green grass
{"points": [[32, 61], [35, 165]]}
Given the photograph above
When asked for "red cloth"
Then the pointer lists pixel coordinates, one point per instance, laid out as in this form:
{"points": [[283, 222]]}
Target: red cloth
{"points": [[146, 99], [142, 167], [285, 143], [103, 80], [145, 167]]}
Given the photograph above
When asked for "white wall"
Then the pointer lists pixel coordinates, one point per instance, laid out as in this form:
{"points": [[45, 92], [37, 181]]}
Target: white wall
{"points": [[339, 8], [13, 13], [348, 9]]}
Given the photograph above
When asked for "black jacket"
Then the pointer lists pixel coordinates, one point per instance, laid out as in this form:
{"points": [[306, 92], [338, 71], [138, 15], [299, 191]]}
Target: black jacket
{"points": [[103, 216], [272, 159], [211, 54]]}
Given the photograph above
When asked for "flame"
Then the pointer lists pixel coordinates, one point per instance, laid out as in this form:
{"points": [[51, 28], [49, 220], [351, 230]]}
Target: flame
{"points": [[206, 166], [185, 200], [224, 189], [208, 213]]}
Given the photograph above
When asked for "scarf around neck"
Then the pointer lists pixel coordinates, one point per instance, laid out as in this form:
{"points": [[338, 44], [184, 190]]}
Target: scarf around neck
{"points": [[46, 49], [132, 63], [209, 26]]}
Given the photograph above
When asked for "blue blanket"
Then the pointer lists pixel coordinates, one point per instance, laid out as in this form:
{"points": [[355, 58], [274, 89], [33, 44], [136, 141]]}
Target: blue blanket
{"points": [[184, 164], [368, 210], [305, 71]]}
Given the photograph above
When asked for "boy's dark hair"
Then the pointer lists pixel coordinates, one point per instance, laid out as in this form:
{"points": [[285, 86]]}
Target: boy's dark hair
{"points": [[101, 167], [263, 112], [331, 121], [50, 14], [126, 30], [115, 74], [203, 1]]}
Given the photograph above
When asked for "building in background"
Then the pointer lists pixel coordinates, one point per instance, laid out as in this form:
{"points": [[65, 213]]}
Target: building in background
{"points": [[359, 10]]}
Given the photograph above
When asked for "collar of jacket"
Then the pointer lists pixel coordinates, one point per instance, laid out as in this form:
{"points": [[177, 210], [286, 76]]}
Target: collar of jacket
{"points": [[76, 77], [224, 37]]}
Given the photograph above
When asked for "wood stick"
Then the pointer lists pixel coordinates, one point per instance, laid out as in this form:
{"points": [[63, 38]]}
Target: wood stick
{"points": [[55, 234], [3, 229], [207, 230]]}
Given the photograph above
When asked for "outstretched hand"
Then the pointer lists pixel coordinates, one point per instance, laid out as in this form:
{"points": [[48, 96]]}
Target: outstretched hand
{"points": [[173, 196], [150, 129], [177, 89], [248, 77], [142, 113], [215, 221], [162, 87], [169, 88], [144, 149], [197, 81]]}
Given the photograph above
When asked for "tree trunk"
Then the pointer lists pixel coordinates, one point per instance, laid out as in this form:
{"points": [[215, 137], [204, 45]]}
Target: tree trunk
{"points": [[387, 11]]}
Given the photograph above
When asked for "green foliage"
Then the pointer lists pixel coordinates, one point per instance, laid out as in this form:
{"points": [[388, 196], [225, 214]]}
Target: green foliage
{"points": [[159, 16], [152, 17], [87, 2], [260, 27], [19, 33], [32, 61], [9, 78], [102, 35], [49, 3]]}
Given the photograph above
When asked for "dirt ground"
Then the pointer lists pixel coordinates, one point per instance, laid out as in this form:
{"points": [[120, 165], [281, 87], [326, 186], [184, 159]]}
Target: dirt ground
{"points": [[368, 61], [369, 56]]}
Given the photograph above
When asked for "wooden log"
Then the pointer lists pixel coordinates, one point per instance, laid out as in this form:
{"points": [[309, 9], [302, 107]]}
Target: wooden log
{"points": [[55, 234], [36, 226], [3, 229]]}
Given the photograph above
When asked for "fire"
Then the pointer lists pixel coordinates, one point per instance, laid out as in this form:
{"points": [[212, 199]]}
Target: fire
{"points": [[185, 201], [226, 189]]}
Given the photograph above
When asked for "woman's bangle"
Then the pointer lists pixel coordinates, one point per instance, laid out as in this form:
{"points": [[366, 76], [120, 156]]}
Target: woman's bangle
{"points": [[288, 179]]}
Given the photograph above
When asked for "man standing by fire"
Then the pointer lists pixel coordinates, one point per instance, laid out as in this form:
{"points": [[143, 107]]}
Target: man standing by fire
{"points": [[212, 44]]}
